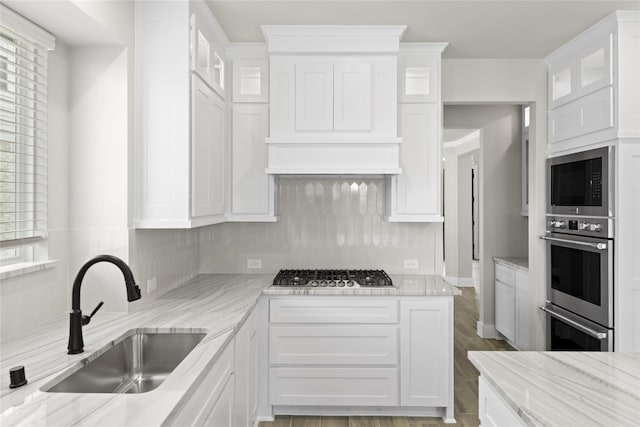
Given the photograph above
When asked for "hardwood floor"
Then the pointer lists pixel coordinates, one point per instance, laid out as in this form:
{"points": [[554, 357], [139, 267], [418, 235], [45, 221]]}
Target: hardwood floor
{"points": [[465, 380]]}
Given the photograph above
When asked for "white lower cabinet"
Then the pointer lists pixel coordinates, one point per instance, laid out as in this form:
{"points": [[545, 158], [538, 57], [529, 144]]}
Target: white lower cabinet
{"points": [[426, 352], [222, 412], [493, 410], [233, 392], [214, 395], [512, 305], [247, 352], [393, 354]]}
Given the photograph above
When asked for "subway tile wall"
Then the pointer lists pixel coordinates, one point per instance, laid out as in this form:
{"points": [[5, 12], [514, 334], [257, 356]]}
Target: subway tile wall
{"points": [[324, 222]]}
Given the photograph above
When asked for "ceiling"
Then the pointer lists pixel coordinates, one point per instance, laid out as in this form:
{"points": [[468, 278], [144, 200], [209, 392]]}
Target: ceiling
{"points": [[474, 28]]}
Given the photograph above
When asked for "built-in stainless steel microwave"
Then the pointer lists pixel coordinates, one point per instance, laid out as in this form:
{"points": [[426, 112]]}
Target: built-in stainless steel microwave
{"points": [[581, 183]]}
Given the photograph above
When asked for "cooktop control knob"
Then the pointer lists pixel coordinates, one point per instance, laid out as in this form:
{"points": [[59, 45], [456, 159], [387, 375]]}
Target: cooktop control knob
{"points": [[595, 227], [558, 224], [583, 225]]}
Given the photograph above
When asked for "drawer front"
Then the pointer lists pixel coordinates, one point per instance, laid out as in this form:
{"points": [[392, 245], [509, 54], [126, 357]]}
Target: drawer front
{"points": [[505, 275], [334, 386], [333, 345], [343, 310]]}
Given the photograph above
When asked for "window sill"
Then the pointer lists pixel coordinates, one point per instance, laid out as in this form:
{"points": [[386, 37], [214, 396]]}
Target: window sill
{"points": [[22, 268]]}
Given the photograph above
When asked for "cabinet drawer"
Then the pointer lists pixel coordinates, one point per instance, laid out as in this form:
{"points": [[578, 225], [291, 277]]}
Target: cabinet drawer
{"points": [[339, 310], [505, 275], [333, 345], [334, 386]]}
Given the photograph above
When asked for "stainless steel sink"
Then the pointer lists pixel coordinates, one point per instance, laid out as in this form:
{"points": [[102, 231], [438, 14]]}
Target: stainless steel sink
{"points": [[136, 362]]}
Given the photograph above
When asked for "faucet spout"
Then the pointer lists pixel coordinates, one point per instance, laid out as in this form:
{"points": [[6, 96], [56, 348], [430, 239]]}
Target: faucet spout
{"points": [[76, 319]]}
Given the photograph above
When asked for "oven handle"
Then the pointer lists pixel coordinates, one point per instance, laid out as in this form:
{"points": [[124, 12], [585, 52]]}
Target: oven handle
{"points": [[600, 246], [598, 335]]}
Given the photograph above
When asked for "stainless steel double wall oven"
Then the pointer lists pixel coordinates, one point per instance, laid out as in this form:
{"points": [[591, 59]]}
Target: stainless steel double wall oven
{"points": [[580, 252]]}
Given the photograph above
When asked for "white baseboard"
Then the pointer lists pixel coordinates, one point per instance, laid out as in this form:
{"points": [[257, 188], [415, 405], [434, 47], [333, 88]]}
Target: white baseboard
{"points": [[462, 282], [488, 331]]}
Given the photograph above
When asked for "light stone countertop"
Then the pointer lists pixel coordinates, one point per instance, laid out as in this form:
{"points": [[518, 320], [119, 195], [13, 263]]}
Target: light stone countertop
{"points": [[515, 262], [218, 304], [565, 388]]}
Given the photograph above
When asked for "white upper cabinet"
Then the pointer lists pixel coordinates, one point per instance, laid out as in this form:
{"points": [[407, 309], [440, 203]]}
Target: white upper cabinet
{"points": [[252, 190], [333, 92], [593, 86], [416, 194], [180, 116], [207, 151]]}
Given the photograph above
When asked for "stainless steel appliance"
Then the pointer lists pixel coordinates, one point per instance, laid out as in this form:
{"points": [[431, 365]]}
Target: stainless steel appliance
{"points": [[580, 254], [580, 267], [333, 278], [568, 332], [581, 183]]}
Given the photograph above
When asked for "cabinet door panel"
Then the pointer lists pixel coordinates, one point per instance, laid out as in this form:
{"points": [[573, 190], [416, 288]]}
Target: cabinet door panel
{"points": [[522, 311], [505, 310], [314, 96], [207, 151], [418, 188], [426, 353], [352, 97], [222, 412], [334, 386], [319, 310], [334, 345], [251, 187]]}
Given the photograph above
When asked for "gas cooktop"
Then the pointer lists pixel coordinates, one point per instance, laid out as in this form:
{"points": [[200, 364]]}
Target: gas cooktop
{"points": [[333, 278]]}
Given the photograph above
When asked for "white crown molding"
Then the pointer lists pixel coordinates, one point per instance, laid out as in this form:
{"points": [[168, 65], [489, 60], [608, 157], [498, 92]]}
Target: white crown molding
{"points": [[333, 38]]}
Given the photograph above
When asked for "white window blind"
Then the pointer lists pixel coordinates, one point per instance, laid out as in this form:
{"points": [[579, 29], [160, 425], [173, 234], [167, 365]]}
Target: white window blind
{"points": [[23, 132]]}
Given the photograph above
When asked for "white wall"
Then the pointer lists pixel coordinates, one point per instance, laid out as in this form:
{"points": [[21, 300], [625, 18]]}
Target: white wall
{"points": [[34, 298], [515, 81], [98, 170], [503, 231], [457, 210]]}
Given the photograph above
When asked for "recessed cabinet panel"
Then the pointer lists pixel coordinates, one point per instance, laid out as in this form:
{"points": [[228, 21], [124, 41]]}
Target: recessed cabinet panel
{"points": [[352, 97], [324, 386], [250, 80], [416, 193], [207, 151], [426, 352], [505, 310], [333, 345], [586, 115], [314, 97], [252, 188]]}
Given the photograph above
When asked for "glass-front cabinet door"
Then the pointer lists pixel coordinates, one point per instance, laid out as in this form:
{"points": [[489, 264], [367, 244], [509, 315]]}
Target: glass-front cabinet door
{"points": [[588, 70]]}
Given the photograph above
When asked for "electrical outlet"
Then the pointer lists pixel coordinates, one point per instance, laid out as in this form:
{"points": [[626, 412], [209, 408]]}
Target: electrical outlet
{"points": [[411, 264], [254, 264], [152, 284]]}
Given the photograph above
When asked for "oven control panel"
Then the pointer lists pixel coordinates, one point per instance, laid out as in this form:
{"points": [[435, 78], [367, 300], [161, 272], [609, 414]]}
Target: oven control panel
{"points": [[579, 225]]}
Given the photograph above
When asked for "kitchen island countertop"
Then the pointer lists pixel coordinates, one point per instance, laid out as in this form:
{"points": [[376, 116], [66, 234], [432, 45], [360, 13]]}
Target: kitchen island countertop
{"points": [[565, 388], [217, 304]]}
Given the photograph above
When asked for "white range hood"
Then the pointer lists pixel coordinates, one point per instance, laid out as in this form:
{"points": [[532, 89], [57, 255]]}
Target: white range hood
{"points": [[333, 99]]}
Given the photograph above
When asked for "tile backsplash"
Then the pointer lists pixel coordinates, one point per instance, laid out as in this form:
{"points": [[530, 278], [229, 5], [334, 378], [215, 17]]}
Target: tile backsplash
{"points": [[325, 222]]}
